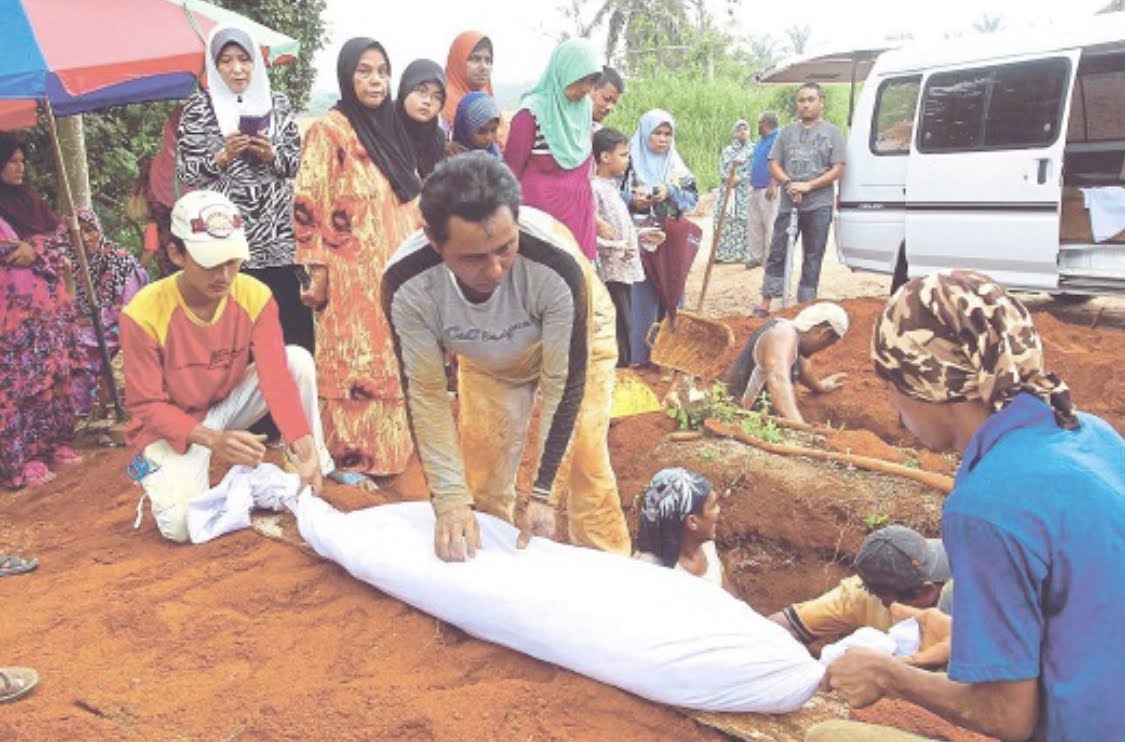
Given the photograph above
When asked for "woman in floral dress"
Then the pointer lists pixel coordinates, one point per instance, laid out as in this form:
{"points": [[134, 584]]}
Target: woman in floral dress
{"points": [[356, 202], [734, 241], [37, 333]]}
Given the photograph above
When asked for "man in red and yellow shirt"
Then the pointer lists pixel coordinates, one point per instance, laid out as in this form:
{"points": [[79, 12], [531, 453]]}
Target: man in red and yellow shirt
{"points": [[190, 387]]}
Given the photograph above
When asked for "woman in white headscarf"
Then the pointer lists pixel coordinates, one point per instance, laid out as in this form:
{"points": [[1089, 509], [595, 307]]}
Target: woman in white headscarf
{"points": [[660, 185], [240, 139]]}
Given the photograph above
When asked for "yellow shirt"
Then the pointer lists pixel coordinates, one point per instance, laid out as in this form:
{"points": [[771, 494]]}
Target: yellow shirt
{"points": [[838, 612]]}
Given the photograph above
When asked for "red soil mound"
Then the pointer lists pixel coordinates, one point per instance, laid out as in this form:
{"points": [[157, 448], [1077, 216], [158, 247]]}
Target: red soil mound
{"points": [[911, 718], [252, 640], [1087, 360]]}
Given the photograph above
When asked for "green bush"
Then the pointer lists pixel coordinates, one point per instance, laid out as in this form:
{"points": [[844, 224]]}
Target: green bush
{"points": [[705, 112]]}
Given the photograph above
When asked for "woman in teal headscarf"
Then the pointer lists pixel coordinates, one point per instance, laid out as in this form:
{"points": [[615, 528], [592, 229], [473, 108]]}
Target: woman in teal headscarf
{"points": [[549, 141]]}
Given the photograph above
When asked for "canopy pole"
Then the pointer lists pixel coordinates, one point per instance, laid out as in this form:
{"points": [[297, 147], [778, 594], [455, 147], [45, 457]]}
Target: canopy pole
{"points": [[83, 263], [851, 91]]}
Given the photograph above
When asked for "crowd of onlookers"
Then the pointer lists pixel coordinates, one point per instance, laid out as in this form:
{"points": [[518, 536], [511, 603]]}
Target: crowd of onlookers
{"points": [[327, 281]]}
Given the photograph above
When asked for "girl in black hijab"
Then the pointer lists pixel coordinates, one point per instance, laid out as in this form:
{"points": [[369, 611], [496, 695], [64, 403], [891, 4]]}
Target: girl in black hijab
{"points": [[421, 95]]}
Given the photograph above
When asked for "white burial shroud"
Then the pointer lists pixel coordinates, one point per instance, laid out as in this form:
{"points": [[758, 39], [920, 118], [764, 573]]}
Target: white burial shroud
{"points": [[660, 633]]}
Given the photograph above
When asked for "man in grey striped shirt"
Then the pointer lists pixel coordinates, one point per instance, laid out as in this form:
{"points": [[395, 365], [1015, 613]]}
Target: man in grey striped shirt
{"points": [[506, 289]]}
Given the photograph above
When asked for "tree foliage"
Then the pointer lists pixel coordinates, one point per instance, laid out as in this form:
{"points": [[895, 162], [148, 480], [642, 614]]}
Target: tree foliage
{"points": [[119, 139], [799, 38], [989, 23], [646, 35], [764, 50]]}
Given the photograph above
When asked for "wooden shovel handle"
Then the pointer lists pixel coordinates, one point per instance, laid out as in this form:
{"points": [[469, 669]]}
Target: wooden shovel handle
{"points": [[937, 481]]}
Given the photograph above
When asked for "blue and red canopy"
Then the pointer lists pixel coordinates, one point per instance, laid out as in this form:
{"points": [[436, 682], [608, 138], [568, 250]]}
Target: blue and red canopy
{"points": [[94, 54]]}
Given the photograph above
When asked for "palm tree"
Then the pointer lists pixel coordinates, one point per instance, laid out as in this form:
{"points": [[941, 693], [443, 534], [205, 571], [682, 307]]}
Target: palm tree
{"points": [[989, 23], [636, 25], [799, 37], [763, 50]]}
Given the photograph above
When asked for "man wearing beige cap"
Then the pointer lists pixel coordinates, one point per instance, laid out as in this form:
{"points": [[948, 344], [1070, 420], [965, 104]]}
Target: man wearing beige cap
{"points": [[190, 387], [778, 354], [894, 565]]}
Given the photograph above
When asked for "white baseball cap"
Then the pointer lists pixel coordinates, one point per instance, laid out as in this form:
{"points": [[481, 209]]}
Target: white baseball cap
{"points": [[211, 228], [824, 312]]}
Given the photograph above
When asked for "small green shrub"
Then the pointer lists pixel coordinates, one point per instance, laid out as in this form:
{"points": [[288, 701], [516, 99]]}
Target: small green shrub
{"points": [[875, 521]]}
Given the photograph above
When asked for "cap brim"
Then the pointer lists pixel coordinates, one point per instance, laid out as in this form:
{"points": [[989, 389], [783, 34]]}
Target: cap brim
{"points": [[936, 565], [216, 252]]}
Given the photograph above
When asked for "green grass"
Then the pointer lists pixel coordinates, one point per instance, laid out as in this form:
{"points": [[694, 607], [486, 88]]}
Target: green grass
{"points": [[705, 112], [875, 521]]}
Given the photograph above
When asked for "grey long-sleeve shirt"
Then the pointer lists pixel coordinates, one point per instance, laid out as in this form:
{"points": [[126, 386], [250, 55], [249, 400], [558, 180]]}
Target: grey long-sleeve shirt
{"points": [[536, 325]]}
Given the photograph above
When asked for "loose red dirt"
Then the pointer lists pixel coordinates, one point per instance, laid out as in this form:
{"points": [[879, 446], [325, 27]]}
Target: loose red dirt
{"points": [[247, 639]]}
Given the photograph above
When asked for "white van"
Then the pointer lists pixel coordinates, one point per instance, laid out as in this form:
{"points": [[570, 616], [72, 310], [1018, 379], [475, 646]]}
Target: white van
{"points": [[973, 154]]}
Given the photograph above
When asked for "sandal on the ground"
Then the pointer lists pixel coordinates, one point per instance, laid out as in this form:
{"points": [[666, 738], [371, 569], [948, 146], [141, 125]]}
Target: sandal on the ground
{"points": [[16, 682], [10, 564], [36, 473], [760, 311], [65, 456], [354, 479]]}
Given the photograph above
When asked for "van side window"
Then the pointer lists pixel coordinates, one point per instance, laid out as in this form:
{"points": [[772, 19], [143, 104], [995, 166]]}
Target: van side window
{"points": [[893, 122], [1096, 104], [1010, 106]]}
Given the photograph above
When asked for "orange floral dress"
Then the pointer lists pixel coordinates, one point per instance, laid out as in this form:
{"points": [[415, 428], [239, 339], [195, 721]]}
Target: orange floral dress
{"points": [[348, 219]]}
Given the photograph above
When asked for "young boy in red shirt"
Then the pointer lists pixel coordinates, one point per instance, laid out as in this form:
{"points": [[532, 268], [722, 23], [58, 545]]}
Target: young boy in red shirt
{"points": [[190, 388]]}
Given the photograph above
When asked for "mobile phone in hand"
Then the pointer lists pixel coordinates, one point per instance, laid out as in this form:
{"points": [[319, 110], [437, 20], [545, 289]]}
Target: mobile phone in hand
{"points": [[253, 125], [303, 276]]}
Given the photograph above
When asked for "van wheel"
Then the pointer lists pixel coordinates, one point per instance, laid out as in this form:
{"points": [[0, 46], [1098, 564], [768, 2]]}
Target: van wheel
{"points": [[901, 271], [1072, 299]]}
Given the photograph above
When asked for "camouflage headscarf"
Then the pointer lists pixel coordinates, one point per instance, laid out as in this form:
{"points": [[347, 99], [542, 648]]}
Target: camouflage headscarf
{"points": [[957, 335]]}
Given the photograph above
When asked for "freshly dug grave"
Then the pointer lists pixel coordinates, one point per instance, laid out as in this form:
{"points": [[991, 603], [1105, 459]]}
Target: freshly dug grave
{"points": [[1088, 360], [788, 531], [250, 640]]}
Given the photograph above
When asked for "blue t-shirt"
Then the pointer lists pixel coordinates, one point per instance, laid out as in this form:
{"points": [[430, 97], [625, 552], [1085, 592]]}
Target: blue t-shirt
{"points": [[1035, 532], [760, 161]]}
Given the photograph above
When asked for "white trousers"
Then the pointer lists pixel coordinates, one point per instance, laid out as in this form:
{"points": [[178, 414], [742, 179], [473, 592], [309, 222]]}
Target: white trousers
{"points": [[761, 213], [180, 477]]}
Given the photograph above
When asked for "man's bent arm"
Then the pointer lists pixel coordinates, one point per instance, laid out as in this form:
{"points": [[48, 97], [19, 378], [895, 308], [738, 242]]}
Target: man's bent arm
{"points": [[422, 364], [828, 177], [806, 376], [275, 380], [780, 619], [777, 172], [778, 353], [566, 348], [1004, 709]]}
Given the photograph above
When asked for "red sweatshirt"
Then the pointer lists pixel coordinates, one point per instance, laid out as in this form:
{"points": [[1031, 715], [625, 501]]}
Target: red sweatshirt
{"points": [[177, 366]]}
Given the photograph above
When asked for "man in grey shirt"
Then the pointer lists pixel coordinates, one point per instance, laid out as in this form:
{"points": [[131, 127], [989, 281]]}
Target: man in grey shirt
{"points": [[807, 159], [506, 289]]}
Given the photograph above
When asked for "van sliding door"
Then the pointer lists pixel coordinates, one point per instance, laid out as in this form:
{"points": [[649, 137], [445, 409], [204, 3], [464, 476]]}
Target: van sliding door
{"points": [[984, 182]]}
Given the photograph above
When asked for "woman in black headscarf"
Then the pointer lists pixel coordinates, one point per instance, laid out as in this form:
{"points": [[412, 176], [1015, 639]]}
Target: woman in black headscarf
{"points": [[356, 202], [421, 95]]}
